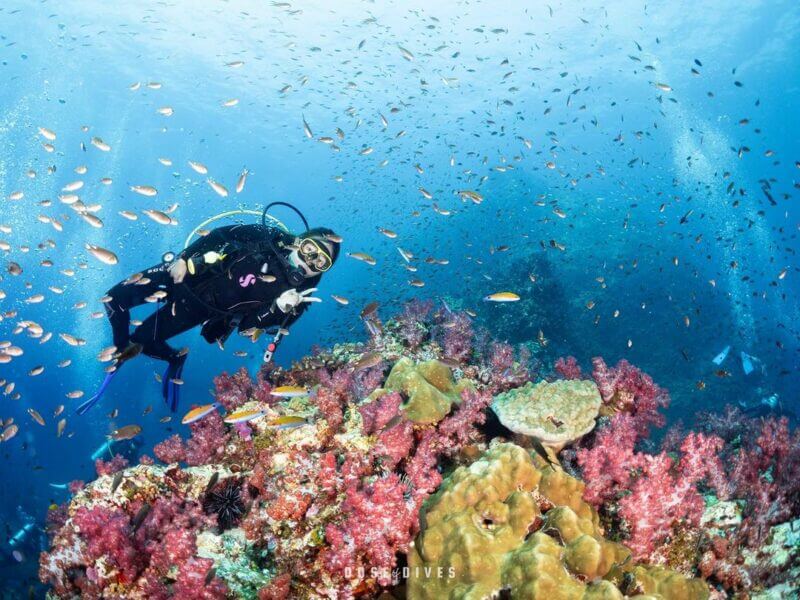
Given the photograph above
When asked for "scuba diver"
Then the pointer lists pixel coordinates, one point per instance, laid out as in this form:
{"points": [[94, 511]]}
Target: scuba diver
{"points": [[245, 277], [768, 406], [15, 541]]}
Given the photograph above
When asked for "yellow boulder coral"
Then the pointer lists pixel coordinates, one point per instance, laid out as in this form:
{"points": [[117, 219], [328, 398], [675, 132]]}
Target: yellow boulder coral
{"points": [[428, 387], [509, 522]]}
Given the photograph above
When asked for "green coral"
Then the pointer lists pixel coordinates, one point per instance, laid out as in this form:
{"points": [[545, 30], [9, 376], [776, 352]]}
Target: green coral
{"points": [[265, 440], [509, 522], [556, 413], [236, 562], [428, 387], [781, 553]]}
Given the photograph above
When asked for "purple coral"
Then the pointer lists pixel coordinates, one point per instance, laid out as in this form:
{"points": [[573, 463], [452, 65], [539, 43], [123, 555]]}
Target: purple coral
{"points": [[412, 322], [457, 336], [624, 388]]}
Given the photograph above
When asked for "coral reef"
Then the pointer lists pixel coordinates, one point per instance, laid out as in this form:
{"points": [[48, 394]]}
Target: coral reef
{"points": [[397, 464], [556, 413]]}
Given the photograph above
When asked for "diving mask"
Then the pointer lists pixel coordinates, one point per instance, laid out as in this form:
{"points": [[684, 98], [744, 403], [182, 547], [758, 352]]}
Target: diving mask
{"points": [[314, 255]]}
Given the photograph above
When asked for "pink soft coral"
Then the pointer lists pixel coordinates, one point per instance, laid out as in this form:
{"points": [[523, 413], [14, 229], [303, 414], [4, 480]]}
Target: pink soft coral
{"points": [[767, 476], [608, 464], [459, 427], [506, 371], [664, 495], [412, 322], [207, 443], [117, 463], [377, 413], [208, 440], [231, 391], [171, 450]]}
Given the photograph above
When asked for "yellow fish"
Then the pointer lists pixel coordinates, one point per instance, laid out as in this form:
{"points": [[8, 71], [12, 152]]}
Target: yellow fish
{"points": [[243, 416], [289, 391], [501, 297], [287, 422], [198, 413]]}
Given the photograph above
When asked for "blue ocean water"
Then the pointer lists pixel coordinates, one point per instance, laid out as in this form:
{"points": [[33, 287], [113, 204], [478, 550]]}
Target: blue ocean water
{"points": [[637, 163]]}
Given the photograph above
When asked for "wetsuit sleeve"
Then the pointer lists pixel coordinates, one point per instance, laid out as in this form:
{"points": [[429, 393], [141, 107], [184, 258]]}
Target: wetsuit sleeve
{"points": [[217, 329]]}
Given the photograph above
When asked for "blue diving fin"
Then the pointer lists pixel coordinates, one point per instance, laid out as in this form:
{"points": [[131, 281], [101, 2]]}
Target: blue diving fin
{"points": [[169, 389], [93, 400], [720, 358], [747, 363]]}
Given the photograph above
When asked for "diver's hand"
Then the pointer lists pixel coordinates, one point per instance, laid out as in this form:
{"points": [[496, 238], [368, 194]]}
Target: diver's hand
{"points": [[291, 299], [177, 270]]}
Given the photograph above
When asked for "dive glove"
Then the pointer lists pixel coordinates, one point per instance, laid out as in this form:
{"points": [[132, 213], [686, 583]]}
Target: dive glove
{"points": [[291, 299]]}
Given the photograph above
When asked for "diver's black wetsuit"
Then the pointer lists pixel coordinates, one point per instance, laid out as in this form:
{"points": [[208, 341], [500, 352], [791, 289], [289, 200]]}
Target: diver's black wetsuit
{"points": [[232, 292]]}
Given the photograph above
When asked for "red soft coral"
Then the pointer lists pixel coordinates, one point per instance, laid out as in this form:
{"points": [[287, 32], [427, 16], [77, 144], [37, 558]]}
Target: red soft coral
{"points": [[627, 389], [278, 589], [378, 522], [395, 443], [107, 535], [568, 368], [191, 581], [335, 392]]}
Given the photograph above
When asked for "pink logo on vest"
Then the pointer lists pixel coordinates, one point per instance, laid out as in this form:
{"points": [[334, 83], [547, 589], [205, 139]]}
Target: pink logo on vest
{"points": [[246, 280]]}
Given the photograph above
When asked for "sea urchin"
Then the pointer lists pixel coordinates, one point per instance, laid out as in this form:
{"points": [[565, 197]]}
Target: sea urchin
{"points": [[225, 500]]}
